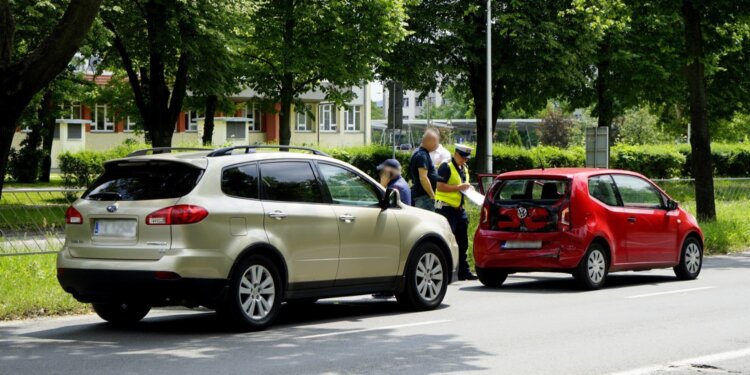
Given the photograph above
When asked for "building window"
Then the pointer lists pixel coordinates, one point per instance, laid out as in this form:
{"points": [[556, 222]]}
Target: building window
{"points": [[74, 112], [420, 103], [103, 120], [406, 102], [327, 117], [129, 124], [405, 118], [235, 130], [353, 119], [252, 113], [74, 131], [304, 123], [191, 120]]}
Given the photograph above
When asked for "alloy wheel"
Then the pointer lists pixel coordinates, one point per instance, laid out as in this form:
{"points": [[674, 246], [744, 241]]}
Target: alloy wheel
{"points": [[257, 292], [429, 276], [596, 266], [692, 258]]}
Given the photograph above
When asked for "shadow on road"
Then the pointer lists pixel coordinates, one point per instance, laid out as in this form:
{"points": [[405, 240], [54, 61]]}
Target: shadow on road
{"points": [[563, 283], [198, 342]]}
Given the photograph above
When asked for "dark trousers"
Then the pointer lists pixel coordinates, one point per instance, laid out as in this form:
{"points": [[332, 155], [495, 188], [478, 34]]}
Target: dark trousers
{"points": [[459, 223]]}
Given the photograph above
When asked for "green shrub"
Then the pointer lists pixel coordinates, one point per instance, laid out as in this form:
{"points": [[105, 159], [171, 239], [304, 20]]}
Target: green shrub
{"points": [[80, 169]]}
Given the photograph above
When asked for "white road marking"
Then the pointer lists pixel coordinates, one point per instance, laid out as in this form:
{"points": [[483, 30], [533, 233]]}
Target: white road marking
{"points": [[706, 359], [671, 292], [374, 329]]}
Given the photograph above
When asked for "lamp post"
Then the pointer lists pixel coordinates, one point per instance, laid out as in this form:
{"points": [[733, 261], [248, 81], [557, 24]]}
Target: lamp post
{"points": [[488, 141]]}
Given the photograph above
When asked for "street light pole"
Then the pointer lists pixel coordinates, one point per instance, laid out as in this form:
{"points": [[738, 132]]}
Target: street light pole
{"points": [[488, 141]]}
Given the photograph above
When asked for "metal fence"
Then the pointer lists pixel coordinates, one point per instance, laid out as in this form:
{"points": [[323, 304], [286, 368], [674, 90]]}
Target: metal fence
{"points": [[32, 221]]}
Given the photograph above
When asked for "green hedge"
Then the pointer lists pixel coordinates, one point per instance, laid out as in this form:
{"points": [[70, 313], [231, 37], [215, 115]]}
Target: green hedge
{"points": [[655, 161], [652, 161]]}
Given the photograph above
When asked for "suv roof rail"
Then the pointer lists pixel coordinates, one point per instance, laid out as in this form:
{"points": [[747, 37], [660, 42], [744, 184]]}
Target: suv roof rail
{"points": [[145, 151], [251, 148]]}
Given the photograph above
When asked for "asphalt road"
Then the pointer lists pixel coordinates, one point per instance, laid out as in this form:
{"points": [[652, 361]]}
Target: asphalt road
{"points": [[641, 323]]}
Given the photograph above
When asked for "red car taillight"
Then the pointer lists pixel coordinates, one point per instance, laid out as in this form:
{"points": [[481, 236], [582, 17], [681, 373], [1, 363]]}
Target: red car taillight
{"points": [[565, 218], [177, 215], [484, 217], [72, 216]]}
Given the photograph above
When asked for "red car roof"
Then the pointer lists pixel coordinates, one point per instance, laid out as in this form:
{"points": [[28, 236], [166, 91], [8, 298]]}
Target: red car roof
{"points": [[562, 172]]}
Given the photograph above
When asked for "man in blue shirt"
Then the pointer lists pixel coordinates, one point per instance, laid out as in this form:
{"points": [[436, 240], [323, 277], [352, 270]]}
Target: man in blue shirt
{"points": [[390, 177], [422, 172]]}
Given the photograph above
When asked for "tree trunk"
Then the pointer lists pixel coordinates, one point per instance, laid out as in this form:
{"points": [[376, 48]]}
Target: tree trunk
{"points": [[395, 105], [7, 130], [208, 123], [700, 139], [47, 118], [285, 114], [477, 83]]}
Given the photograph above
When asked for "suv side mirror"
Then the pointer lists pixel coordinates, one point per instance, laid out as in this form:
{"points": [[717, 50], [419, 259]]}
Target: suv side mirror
{"points": [[390, 199], [672, 205]]}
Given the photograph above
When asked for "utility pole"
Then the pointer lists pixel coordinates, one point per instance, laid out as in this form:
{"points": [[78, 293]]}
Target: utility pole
{"points": [[488, 144]]}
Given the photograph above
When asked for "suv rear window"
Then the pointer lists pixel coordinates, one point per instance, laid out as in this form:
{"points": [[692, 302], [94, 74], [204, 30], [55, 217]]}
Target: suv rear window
{"points": [[137, 181]]}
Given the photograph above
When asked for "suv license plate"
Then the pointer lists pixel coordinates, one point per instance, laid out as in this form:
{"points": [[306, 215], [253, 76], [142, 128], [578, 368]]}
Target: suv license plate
{"points": [[115, 228], [521, 245]]}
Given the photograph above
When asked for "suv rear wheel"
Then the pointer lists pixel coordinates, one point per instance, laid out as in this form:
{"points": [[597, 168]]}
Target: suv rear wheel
{"points": [[254, 297], [426, 278], [121, 313], [691, 260], [591, 272], [491, 278]]}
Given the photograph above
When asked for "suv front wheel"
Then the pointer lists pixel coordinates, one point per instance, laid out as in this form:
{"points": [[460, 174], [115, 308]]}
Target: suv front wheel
{"points": [[426, 278], [254, 297]]}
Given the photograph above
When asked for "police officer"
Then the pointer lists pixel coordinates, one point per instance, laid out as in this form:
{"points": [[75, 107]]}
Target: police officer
{"points": [[449, 202]]}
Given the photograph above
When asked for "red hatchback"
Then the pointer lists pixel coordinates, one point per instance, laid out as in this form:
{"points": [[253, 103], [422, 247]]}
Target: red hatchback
{"points": [[587, 222]]}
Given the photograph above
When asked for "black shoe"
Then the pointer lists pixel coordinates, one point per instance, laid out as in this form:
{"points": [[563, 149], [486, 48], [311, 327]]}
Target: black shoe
{"points": [[468, 276]]}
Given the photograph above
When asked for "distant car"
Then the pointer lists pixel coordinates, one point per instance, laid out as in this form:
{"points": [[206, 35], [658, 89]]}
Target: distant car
{"points": [[405, 146], [588, 222], [242, 232]]}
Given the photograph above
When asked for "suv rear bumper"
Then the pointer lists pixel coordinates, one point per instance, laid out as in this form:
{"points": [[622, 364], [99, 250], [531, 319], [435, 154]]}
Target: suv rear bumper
{"points": [[88, 285]]}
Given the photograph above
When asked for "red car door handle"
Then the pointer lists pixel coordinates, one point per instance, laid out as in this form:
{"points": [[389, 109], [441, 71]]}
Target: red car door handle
{"points": [[631, 220]]}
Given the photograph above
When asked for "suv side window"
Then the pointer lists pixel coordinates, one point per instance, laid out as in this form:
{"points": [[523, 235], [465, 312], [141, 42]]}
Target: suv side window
{"points": [[346, 187], [637, 192], [290, 181], [240, 181], [602, 188]]}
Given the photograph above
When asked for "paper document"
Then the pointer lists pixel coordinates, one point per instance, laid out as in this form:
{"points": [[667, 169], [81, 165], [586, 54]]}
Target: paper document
{"points": [[474, 196]]}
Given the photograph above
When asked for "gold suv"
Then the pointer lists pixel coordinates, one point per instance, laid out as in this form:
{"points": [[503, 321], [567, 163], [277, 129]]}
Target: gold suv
{"points": [[239, 231]]}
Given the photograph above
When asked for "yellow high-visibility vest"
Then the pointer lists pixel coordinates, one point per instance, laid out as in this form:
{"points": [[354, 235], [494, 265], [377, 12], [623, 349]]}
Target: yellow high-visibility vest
{"points": [[453, 199]]}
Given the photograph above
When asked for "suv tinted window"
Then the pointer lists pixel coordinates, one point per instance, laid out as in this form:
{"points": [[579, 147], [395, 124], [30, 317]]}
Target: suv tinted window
{"points": [[602, 188], [240, 181], [346, 187], [135, 181], [637, 192], [290, 182]]}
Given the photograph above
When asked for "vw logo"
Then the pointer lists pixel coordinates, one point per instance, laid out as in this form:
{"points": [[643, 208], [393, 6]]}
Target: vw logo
{"points": [[112, 208], [522, 213]]}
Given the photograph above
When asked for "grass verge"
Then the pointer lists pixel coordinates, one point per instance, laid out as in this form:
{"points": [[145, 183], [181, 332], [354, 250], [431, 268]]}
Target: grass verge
{"points": [[29, 288]]}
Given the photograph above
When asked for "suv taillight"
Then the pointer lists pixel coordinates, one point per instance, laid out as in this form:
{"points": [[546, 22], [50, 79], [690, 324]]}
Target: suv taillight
{"points": [[72, 216], [177, 215], [565, 218]]}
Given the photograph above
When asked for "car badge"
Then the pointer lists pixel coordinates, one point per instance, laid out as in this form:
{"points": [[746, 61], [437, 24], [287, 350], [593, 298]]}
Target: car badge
{"points": [[112, 208], [522, 213]]}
